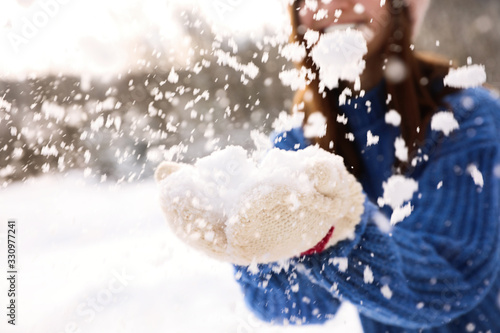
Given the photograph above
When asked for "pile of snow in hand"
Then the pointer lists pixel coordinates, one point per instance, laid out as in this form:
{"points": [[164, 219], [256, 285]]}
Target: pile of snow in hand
{"points": [[466, 77], [339, 56], [221, 181], [445, 122]]}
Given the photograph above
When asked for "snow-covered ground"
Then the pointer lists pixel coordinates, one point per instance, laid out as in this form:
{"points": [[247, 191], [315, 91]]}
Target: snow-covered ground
{"points": [[98, 257]]}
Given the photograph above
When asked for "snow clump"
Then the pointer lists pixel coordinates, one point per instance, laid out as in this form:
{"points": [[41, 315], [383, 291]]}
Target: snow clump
{"points": [[469, 76], [341, 263], [371, 139], [476, 175], [339, 56], [221, 181], [397, 190], [311, 37], [315, 126], [445, 122], [285, 121], [368, 275], [401, 150], [392, 117], [294, 51], [296, 79]]}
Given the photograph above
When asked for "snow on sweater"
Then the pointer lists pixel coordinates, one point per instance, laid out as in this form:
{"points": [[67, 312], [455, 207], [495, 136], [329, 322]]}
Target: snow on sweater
{"points": [[436, 271]]}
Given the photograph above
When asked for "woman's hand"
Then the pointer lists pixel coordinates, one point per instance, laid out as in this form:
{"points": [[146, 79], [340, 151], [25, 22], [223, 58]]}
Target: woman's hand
{"points": [[282, 210]]}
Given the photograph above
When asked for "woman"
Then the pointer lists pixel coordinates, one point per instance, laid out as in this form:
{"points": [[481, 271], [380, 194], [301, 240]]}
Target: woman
{"points": [[436, 271]]}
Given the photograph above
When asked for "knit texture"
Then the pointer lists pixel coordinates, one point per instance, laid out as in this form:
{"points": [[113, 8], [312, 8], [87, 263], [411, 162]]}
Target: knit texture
{"points": [[272, 220], [436, 271], [321, 245]]}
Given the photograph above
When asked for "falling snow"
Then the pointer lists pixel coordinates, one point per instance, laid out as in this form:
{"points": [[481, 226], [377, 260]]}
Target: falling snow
{"points": [[368, 275], [315, 126], [386, 292], [445, 122], [339, 56], [342, 263], [397, 190], [285, 121], [226, 59], [296, 78], [400, 213], [466, 77], [371, 139], [401, 150], [470, 327], [476, 175], [294, 51], [311, 37], [392, 117]]}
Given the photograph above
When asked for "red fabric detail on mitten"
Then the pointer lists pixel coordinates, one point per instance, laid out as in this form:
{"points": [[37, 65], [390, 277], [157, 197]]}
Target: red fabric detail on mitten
{"points": [[321, 245]]}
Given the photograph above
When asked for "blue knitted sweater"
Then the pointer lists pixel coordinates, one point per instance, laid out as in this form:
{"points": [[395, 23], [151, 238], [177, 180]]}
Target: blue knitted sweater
{"points": [[436, 271]]}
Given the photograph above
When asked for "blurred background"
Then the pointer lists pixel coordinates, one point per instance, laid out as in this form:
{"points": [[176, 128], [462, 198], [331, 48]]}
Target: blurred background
{"points": [[113, 87], [94, 94]]}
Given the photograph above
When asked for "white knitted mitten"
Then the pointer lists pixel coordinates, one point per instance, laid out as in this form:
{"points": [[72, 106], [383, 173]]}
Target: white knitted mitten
{"points": [[236, 211]]}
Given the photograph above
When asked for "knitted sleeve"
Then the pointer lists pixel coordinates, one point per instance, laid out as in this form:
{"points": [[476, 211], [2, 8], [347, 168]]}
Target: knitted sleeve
{"points": [[438, 263], [432, 267], [286, 295]]}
